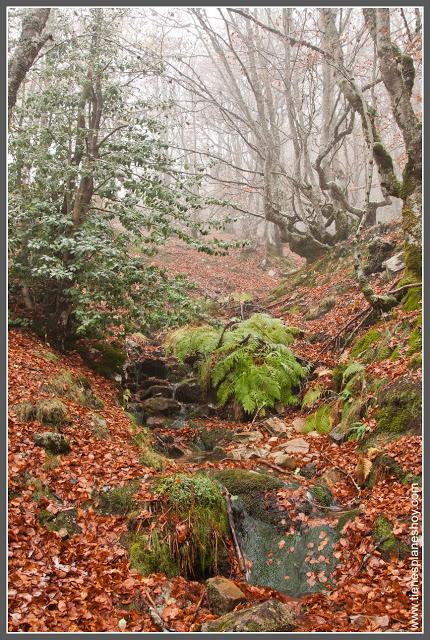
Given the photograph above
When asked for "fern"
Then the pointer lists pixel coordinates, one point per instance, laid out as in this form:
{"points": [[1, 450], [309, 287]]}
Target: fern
{"points": [[351, 370], [312, 396], [250, 363], [188, 342]]}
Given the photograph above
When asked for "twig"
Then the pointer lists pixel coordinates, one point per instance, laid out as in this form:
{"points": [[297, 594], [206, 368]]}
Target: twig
{"points": [[343, 471], [240, 557], [199, 604], [154, 613]]}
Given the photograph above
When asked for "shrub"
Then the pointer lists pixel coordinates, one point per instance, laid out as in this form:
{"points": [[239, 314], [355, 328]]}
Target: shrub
{"points": [[250, 362]]}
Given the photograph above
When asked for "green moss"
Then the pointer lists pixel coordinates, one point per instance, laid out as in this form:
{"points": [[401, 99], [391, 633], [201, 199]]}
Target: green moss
{"points": [[48, 356], [52, 412], [337, 375], [416, 362], [395, 354], [152, 459], [400, 407], [41, 490], [415, 342], [62, 520], [110, 360], [150, 554], [51, 461], [76, 388], [25, 411], [196, 502], [322, 495], [365, 342], [241, 483], [412, 299], [119, 500], [346, 517], [388, 543], [390, 466]]}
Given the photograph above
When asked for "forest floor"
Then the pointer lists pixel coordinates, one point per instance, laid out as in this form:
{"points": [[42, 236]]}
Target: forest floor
{"points": [[83, 582]]}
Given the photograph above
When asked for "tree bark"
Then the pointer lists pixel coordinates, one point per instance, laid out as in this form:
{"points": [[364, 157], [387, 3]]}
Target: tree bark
{"points": [[30, 42]]}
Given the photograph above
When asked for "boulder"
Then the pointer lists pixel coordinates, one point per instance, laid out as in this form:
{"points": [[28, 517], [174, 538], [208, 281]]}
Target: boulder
{"points": [[309, 470], [268, 616], [246, 453], [52, 442], [223, 595], [188, 391], [155, 421], [394, 264], [161, 406], [379, 251]]}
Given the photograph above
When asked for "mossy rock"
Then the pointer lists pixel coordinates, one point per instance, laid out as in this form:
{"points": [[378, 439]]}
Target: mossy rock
{"points": [[106, 359], [256, 491], [152, 459], [76, 388], [63, 520], [268, 616], [197, 549], [321, 495], [239, 482], [415, 342], [99, 427], [364, 344], [52, 442], [52, 412], [400, 407], [347, 517], [41, 490], [321, 309], [208, 439], [388, 543], [412, 300], [25, 411], [389, 466], [118, 501]]}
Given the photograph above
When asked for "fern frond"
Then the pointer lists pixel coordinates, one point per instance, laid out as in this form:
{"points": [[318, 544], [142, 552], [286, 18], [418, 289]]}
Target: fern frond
{"points": [[351, 370], [312, 396]]}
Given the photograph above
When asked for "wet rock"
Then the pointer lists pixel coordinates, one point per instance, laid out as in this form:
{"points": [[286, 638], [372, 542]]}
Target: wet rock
{"points": [[153, 422], [161, 406], [223, 595], [188, 391], [52, 442], [155, 390], [268, 616]]}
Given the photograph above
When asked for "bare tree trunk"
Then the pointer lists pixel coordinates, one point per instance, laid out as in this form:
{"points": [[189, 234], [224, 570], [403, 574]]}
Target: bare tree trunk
{"points": [[30, 43]]}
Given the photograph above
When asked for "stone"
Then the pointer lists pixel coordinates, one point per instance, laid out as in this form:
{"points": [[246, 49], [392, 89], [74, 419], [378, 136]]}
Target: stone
{"points": [[161, 406], [331, 477], [297, 445], [155, 421], [309, 470], [155, 390], [223, 595], [246, 453], [268, 616], [284, 461], [379, 251], [188, 391], [299, 424], [275, 425], [395, 263], [360, 620], [248, 436], [52, 442]]}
